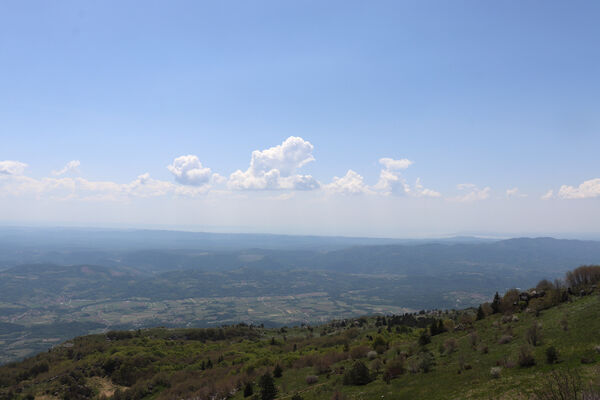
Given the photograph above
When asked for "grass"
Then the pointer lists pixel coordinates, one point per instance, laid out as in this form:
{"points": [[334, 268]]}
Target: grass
{"points": [[462, 374]]}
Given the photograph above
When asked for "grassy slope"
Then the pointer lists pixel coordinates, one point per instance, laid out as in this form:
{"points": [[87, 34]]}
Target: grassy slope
{"points": [[180, 360]]}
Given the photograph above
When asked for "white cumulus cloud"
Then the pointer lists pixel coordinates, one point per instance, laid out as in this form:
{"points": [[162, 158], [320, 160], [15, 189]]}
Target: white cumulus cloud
{"points": [[588, 189], [71, 166], [351, 183], [421, 191], [9, 167], [514, 192], [548, 195], [188, 170], [391, 164], [473, 193], [275, 168], [390, 181]]}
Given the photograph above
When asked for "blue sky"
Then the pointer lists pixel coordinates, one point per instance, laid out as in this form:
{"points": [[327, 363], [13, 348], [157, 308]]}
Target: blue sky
{"points": [[497, 95]]}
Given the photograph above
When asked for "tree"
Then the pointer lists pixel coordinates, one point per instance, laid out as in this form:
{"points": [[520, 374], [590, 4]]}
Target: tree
{"points": [[496, 304], [268, 391], [379, 344], [248, 389], [359, 374], [424, 339], [277, 371], [480, 313]]}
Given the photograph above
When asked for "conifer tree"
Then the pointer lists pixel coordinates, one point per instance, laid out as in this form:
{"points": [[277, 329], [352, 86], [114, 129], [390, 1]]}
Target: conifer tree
{"points": [[480, 313], [268, 391], [496, 304]]}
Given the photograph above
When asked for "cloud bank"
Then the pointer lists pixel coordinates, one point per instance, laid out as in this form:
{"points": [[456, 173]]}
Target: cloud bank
{"points": [[587, 190]]}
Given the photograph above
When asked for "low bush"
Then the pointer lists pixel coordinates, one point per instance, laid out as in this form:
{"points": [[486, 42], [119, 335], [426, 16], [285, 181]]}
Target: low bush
{"points": [[504, 339], [526, 358], [551, 355], [394, 369], [495, 372], [450, 345]]}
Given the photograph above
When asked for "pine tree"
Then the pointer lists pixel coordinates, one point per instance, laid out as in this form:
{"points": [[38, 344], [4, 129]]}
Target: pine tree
{"points": [[496, 304], [268, 391], [480, 313]]}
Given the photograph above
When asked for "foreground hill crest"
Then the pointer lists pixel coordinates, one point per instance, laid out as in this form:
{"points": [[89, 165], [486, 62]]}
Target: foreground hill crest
{"points": [[520, 345]]}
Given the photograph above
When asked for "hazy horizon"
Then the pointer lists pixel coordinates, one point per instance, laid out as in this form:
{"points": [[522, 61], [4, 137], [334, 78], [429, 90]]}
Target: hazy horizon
{"points": [[386, 120]]}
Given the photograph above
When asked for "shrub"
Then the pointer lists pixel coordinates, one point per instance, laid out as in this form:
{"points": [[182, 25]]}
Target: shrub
{"points": [[551, 355], [564, 323], [526, 358], [560, 384], [371, 355], [510, 301], [413, 365], [449, 325], [248, 389], [495, 372], [483, 349], [297, 397], [426, 361], [473, 339], [394, 369], [380, 345], [358, 352], [424, 339], [534, 334], [338, 396], [359, 374], [450, 345], [587, 360], [277, 371], [505, 339], [376, 365], [312, 379]]}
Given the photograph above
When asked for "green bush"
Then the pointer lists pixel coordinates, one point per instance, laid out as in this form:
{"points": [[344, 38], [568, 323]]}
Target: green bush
{"points": [[526, 358], [551, 355], [359, 374]]}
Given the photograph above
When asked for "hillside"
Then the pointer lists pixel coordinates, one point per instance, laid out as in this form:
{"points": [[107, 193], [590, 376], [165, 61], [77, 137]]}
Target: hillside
{"points": [[45, 303], [506, 349]]}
